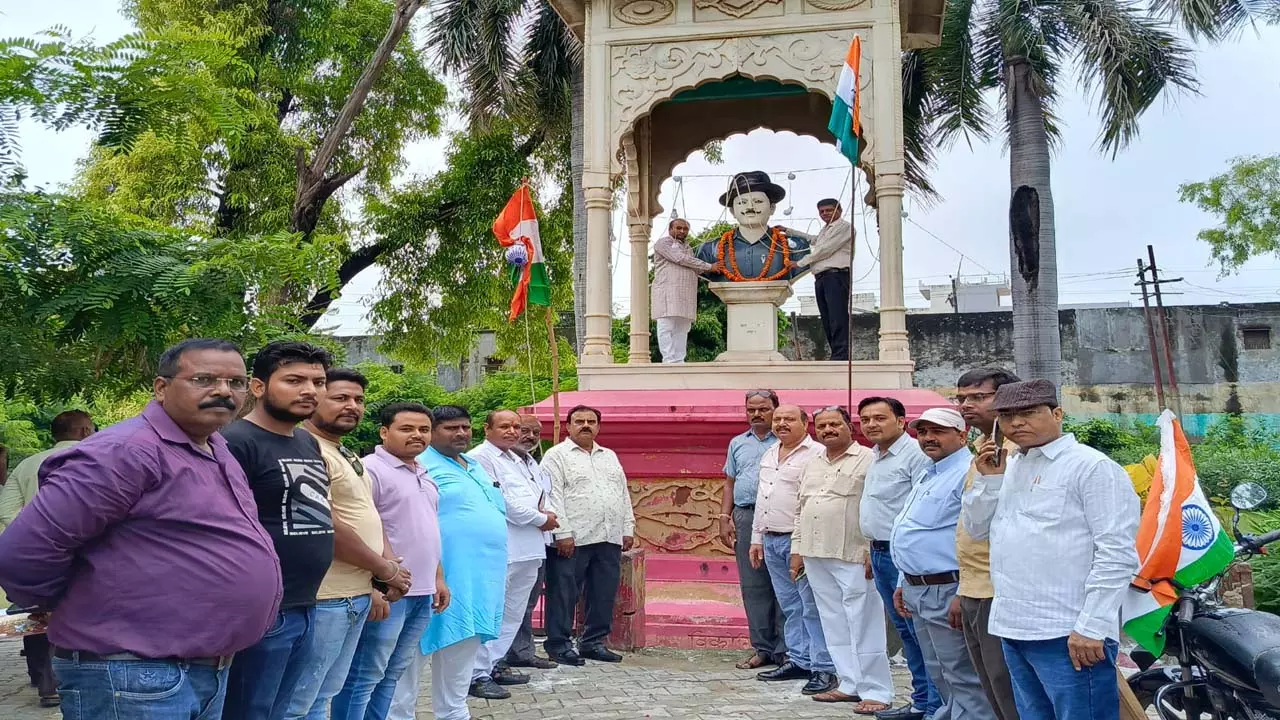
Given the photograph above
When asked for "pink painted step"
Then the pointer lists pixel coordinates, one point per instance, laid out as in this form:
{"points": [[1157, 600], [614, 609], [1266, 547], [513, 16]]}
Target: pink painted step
{"points": [[694, 602]]}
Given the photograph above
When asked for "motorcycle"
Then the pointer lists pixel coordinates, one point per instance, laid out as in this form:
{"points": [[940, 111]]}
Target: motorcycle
{"points": [[1227, 659]]}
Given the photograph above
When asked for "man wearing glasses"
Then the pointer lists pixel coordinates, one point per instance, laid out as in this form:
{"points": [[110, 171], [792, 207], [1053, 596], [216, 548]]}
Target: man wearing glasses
{"points": [[737, 514], [144, 542], [291, 490]]}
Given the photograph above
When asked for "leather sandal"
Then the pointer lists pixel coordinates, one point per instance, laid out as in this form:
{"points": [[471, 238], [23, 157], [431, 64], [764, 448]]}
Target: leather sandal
{"points": [[870, 707], [755, 661], [835, 696]]}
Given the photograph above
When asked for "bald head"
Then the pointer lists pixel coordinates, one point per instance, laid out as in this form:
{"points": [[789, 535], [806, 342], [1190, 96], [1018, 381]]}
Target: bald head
{"points": [[789, 424], [502, 428]]}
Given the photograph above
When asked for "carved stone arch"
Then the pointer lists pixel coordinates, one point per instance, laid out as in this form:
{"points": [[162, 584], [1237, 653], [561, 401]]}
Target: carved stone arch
{"points": [[643, 77]]}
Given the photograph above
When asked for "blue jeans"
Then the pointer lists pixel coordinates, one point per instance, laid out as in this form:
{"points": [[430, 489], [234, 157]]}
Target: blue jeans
{"points": [[151, 689], [923, 694], [386, 648], [263, 677], [339, 623], [1047, 687], [806, 646]]}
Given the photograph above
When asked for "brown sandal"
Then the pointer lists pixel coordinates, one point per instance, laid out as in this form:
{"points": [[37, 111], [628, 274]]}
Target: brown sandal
{"points": [[870, 707], [835, 696], [753, 662]]}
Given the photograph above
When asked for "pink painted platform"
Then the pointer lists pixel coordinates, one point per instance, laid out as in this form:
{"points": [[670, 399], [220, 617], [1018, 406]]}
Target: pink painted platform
{"points": [[677, 439]]}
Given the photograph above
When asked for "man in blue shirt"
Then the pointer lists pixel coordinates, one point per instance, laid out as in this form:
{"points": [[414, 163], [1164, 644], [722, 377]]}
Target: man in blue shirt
{"points": [[737, 513], [473, 527], [924, 549]]}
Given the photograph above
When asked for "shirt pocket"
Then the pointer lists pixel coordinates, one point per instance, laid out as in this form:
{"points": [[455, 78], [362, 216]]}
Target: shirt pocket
{"points": [[1044, 501], [842, 484], [934, 510]]}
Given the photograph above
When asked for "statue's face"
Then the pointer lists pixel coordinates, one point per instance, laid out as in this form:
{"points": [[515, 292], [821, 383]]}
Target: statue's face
{"points": [[752, 209]]}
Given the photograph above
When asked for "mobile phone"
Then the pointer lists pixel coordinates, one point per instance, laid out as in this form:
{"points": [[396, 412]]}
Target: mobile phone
{"points": [[998, 438]]}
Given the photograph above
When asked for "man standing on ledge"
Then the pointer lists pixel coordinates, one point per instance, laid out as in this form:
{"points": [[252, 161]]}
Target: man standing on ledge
{"points": [[144, 543], [1063, 521], [737, 515], [830, 258], [675, 290], [589, 488], [898, 464]]}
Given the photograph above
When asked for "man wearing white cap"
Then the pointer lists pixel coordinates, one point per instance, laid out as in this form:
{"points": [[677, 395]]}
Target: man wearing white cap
{"points": [[924, 549]]}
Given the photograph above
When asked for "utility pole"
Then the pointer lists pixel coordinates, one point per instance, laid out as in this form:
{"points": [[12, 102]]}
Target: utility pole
{"points": [[1151, 333], [1163, 329]]}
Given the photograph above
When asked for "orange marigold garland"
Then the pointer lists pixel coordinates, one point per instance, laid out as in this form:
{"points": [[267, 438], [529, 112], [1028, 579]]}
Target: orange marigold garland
{"points": [[730, 264]]}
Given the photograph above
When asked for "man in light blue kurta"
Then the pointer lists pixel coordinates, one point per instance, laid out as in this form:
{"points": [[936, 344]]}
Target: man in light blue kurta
{"points": [[473, 532]]}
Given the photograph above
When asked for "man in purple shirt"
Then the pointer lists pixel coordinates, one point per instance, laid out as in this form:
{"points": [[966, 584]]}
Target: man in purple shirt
{"points": [[144, 545], [408, 502]]}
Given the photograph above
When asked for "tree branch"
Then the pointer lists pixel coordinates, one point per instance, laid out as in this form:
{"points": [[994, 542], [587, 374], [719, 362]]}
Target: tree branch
{"points": [[360, 260]]}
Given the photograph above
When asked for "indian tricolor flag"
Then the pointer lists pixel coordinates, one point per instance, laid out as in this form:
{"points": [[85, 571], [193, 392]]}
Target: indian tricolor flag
{"points": [[846, 119], [1179, 539], [517, 224]]}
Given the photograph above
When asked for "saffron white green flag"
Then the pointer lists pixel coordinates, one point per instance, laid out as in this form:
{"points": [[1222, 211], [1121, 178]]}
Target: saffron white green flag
{"points": [[1179, 539], [846, 116], [518, 225]]}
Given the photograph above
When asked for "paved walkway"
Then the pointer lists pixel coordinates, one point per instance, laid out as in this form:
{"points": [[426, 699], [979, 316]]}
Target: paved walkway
{"points": [[650, 684]]}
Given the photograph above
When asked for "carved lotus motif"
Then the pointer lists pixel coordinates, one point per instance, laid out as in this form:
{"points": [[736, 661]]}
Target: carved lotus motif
{"points": [[643, 12], [734, 8]]}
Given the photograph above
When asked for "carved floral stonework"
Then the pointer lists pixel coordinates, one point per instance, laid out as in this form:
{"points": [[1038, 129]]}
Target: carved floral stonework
{"points": [[836, 4], [644, 75], [643, 12], [734, 8], [679, 515]]}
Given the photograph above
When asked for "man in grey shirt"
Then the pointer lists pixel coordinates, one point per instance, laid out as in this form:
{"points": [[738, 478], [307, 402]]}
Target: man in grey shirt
{"points": [[737, 514], [899, 464]]}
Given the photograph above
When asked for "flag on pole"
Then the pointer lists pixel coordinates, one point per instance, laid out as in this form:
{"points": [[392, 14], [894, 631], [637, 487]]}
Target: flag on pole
{"points": [[846, 117], [1179, 539], [517, 224]]}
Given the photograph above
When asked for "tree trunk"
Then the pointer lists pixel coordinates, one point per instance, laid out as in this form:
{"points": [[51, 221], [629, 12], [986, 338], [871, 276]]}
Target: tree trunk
{"points": [[1037, 345], [576, 163]]}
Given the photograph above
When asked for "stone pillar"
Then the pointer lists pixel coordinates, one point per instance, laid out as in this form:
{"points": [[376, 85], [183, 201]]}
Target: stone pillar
{"points": [[640, 230], [893, 306], [596, 348]]}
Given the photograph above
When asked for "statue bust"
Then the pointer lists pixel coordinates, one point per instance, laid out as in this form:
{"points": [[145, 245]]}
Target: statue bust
{"points": [[754, 251]]}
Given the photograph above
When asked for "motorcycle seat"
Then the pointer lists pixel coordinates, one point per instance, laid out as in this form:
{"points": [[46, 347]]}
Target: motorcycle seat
{"points": [[1266, 670]]}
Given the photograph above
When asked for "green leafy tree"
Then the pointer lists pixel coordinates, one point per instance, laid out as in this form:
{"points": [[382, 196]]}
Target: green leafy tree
{"points": [[1246, 199], [1124, 54]]}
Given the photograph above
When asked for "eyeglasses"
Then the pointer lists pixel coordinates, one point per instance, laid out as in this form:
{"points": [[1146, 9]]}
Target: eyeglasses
{"points": [[961, 399], [238, 383], [351, 458]]}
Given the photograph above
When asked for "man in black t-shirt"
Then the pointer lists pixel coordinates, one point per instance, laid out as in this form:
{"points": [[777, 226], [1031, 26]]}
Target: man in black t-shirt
{"points": [[291, 488]]}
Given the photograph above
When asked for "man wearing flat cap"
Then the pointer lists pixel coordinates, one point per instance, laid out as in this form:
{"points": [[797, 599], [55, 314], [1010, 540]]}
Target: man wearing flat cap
{"points": [[924, 549], [1062, 520], [755, 251]]}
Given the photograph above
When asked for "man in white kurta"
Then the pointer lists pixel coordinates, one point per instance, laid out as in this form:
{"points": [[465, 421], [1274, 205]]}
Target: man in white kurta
{"points": [[834, 554], [675, 290], [528, 515]]}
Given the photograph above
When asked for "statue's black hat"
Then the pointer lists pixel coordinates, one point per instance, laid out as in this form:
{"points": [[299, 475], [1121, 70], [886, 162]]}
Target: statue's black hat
{"points": [[753, 181]]}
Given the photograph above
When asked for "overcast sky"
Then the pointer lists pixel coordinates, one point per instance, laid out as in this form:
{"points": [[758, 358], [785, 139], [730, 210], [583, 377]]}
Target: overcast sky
{"points": [[1107, 211]]}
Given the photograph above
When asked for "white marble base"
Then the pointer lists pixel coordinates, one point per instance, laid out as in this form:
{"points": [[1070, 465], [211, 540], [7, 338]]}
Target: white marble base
{"points": [[777, 374], [752, 332]]}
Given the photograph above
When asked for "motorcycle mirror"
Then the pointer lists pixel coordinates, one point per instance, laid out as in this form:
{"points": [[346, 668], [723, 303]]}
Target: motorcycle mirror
{"points": [[1247, 496]]}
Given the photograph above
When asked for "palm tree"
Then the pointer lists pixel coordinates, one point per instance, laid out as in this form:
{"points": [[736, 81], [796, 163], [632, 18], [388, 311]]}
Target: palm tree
{"points": [[1124, 54]]}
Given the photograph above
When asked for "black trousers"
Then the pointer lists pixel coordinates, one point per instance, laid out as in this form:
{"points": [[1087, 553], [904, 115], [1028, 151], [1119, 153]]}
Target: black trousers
{"points": [[40, 664], [833, 288], [522, 647], [591, 574]]}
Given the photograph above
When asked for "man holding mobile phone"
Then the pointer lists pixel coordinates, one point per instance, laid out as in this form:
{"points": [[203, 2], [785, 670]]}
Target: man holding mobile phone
{"points": [[975, 392]]}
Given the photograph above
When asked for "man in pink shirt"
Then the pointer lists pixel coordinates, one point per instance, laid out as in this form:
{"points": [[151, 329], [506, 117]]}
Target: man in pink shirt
{"points": [[777, 500], [407, 501]]}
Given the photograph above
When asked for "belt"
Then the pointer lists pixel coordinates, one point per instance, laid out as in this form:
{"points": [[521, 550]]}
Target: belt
{"points": [[84, 656], [830, 270], [771, 533], [945, 578], [881, 545]]}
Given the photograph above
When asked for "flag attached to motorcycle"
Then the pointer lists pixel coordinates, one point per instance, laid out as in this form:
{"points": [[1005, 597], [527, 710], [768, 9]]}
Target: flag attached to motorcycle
{"points": [[517, 225], [1179, 539]]}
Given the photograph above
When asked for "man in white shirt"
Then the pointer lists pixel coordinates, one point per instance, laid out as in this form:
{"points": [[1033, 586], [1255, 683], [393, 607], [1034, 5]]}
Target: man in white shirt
{"points": [[898, 464], [1062, 519], [831, 258], [777, 500], [528, 516], [675, 290], [597, 525], [523, 652]]}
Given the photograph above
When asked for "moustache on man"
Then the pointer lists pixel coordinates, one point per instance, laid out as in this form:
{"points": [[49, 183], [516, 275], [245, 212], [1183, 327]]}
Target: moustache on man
{"points": [[219, 402]]}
